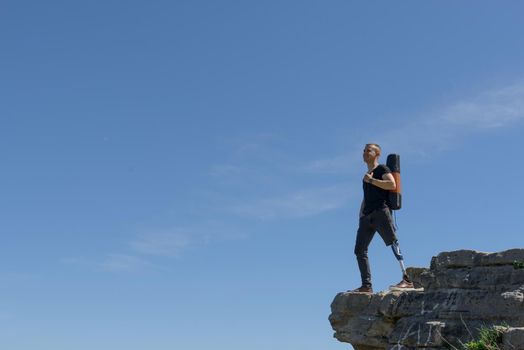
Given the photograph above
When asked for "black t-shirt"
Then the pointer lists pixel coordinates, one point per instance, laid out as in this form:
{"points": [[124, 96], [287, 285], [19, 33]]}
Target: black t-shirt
{"points": [[375, 197]]}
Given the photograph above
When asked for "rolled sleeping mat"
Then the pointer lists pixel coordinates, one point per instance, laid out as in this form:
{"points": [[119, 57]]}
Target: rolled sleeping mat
{"points": [[394, 196]]}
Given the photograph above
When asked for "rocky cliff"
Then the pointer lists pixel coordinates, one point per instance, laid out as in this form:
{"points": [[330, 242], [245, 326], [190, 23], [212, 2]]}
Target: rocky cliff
{"points": [[465, 293]]}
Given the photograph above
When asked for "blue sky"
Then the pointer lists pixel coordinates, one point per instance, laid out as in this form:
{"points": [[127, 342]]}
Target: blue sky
{"points": [[187, 174]]}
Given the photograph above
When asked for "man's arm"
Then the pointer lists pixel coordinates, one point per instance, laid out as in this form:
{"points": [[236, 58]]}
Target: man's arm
{"points": [[387, 182], [361, 214]]}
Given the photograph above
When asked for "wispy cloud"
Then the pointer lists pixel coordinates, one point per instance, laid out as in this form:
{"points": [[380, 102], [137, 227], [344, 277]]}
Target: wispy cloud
{"points": [[173, 242], [116, 262], [492, 109], [164, 243], [350, 161], [226, 170], [125, 263], [153, 249], [438, 130], [297, 204], [432, 132], [17, 277]]}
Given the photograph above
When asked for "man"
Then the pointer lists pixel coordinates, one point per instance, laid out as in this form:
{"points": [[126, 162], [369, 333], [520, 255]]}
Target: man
{"points": [[375, 215]]}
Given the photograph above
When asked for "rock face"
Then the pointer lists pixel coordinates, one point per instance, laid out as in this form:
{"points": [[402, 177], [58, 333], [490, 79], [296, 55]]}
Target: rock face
{"points": [[462, 291]]}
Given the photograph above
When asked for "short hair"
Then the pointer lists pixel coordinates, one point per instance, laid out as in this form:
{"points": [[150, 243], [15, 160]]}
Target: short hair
{"points": [[377, 147]]}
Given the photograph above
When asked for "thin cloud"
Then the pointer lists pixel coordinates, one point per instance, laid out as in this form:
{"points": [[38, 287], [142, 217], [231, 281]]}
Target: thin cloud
{"points": [[298, 204], [162, 243], [114, 263], [17, 277], [253, 159], [493, 109], [339, 164], [438, 131], [158, 245], [169, 243], [227, 170], [125, 263]]}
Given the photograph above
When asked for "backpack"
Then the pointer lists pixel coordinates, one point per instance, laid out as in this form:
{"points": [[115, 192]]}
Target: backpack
{"points": [[394, 201]]}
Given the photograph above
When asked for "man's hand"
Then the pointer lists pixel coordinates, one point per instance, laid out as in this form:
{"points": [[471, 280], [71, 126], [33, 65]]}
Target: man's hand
{"points": [[368, 177]]}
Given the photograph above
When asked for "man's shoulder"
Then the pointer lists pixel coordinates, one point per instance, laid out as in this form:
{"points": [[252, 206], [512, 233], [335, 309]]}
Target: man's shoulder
{"points": [[383, 169]]}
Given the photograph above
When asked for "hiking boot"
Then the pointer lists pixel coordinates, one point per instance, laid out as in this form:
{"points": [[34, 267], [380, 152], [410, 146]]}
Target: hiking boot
{"points": [[405, 284], [362, 289]]}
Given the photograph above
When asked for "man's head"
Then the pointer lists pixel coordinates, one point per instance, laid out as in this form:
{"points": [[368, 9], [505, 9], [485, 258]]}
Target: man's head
{"points": [[371, 152]]}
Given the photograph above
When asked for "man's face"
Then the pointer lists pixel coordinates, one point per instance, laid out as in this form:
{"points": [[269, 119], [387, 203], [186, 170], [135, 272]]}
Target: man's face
{"points": [[370, 153]]}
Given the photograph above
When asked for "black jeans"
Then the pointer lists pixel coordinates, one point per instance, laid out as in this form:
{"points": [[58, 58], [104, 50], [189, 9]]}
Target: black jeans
{"points": [[377, 221]]}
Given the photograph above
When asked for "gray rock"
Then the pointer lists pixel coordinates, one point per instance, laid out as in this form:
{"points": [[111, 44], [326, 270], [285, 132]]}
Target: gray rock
{"points": [[417, 332], [513, 339], [458, 258], [348, 304], [475, 277], [469, 258], [463, 291], [506, 257]]}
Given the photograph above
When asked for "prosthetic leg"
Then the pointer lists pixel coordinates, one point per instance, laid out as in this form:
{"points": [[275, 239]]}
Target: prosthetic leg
{"points": [[406, 283], [398, 254]]}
